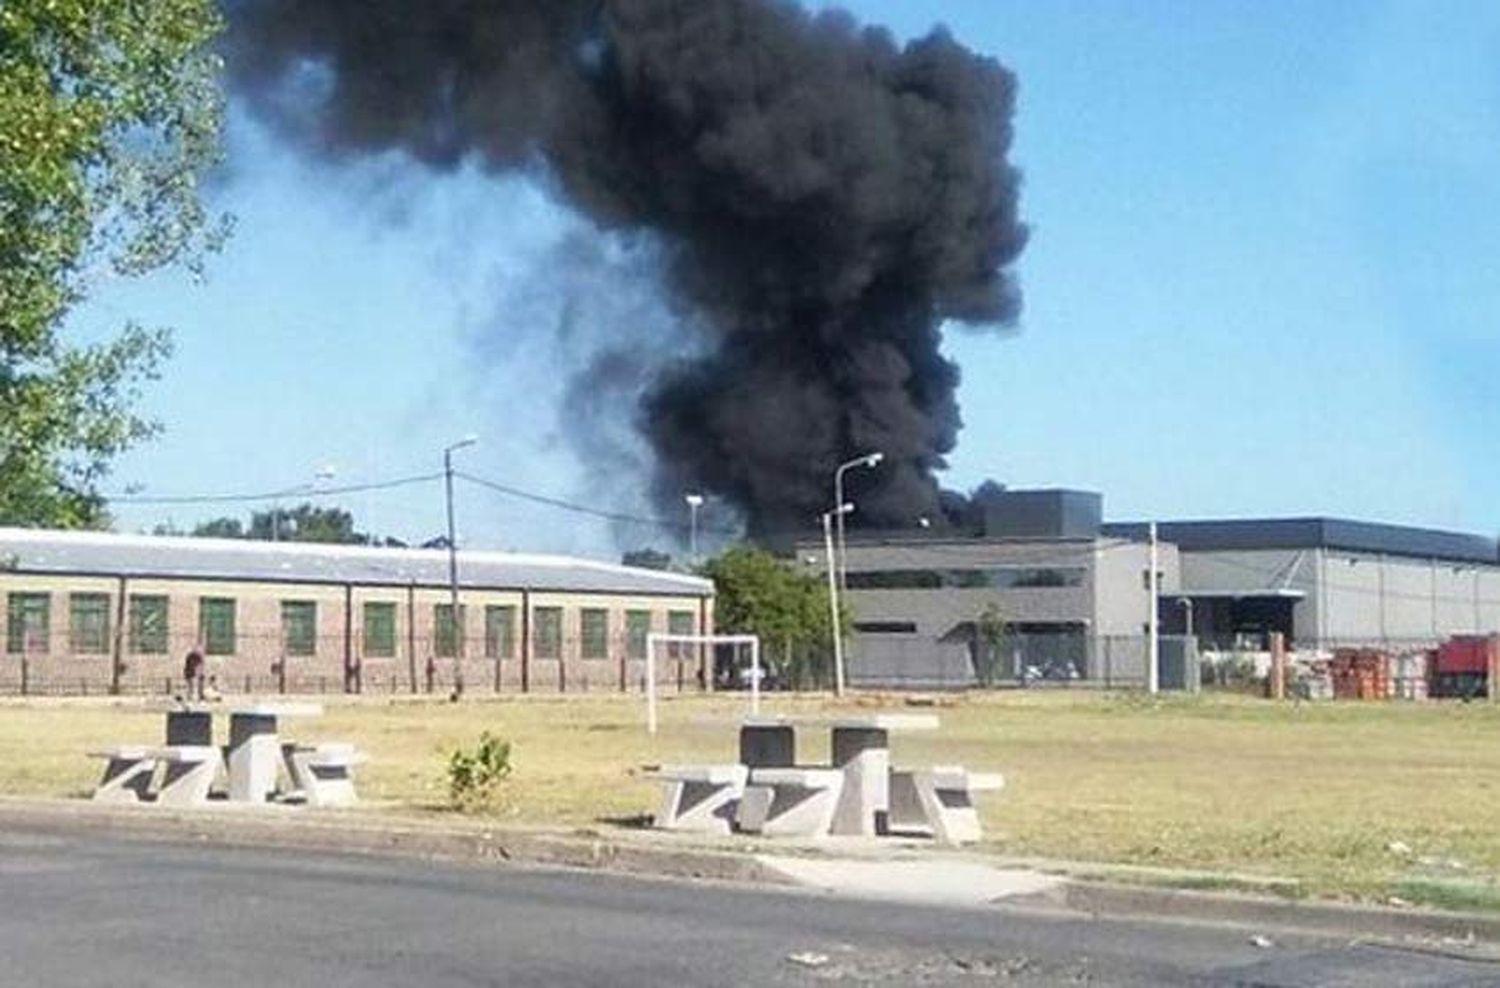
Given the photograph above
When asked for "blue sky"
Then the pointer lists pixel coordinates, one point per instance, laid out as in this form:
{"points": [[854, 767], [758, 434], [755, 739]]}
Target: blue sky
{"points": [[1262, 281]]}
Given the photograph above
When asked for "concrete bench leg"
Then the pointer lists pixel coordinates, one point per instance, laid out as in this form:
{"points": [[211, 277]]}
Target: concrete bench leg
{"points": [[252, 767], [789, 809], [947, 797], [865, 757], [187, 779], [126, 780], [332, 785], [906, 815], [699, 807]]}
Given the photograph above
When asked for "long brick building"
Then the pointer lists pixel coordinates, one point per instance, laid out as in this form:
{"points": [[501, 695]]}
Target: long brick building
{"points": [[98, 612]]}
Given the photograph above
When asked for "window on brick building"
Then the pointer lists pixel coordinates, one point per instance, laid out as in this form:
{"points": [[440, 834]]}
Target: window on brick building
{"points": [[28, 623], [499, 631], [637, 627], [88, 623], [380, 630], [299, 627], [216, 625], [594, 629], [447, 639], [547, 640], [148, 624]]}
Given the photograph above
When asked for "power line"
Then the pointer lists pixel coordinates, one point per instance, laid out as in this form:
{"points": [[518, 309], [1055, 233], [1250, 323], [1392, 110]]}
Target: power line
{"points": [[304, 491], [582, 509]]}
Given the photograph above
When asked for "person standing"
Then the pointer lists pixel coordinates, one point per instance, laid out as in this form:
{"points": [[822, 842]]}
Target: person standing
{"points": [[192, 672]]}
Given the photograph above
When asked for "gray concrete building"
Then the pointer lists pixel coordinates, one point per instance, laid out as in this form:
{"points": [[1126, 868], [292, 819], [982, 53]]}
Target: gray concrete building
{"points": [[1040, 591], [1046, 588], [1327, 583]]}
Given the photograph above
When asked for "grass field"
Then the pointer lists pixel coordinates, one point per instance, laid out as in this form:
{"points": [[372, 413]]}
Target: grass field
{"points": [[1363, 800]]}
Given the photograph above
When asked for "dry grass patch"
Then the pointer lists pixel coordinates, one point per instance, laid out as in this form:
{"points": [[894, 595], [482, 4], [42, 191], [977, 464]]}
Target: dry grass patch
{"points": [[1320, 793]]}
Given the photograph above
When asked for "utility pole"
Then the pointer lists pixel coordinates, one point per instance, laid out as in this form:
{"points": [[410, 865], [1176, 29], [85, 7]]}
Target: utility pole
{"points": [[455, 625], [1153, 627]]}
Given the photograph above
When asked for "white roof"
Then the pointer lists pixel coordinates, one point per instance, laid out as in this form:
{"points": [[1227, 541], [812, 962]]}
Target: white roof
{"points": [[165, 556]]}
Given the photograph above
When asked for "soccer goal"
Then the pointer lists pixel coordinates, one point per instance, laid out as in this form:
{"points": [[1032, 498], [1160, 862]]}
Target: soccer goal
{"points": [[661, 644]]}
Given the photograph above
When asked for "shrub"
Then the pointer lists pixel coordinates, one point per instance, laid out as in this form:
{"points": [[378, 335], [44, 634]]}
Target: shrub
{"points": [[474, 776]]}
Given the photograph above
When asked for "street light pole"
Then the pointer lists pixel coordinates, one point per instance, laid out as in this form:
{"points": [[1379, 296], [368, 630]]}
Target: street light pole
{"points": [[453, 618], [694, 502], [833, 597], [868, 460]]}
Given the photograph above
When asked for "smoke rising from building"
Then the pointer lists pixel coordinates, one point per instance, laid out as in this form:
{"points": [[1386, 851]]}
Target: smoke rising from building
{"points": [[822, 200]]}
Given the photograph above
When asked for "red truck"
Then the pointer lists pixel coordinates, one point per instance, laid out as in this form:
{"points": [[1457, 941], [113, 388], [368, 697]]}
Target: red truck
{"points": [[1460, 667]]}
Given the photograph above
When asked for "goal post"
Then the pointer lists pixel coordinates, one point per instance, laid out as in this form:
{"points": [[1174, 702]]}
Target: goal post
{"points": [[657, 642]]}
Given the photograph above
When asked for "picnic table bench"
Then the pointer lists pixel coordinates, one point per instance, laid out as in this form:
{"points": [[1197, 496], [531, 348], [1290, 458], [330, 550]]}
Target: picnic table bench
{"points": [[858, 794], [253, 761]]}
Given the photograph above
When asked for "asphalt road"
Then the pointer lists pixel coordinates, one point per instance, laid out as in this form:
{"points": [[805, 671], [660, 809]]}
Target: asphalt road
{"points": [[82, 912]]}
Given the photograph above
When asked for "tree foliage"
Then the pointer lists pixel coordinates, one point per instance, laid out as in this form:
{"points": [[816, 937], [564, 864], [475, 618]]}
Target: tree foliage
{"points": [[788, 608], [109, 116], [304, 523]]}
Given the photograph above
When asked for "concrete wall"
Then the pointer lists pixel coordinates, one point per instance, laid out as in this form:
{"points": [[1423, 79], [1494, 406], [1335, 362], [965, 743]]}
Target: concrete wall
{"points": [[1352, 598], [1122, 598], [1111, 599], [1372, 599], [340, 661]]}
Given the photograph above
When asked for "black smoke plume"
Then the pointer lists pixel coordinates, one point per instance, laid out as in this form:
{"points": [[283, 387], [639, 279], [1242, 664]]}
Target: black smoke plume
{"points": [[824, 200]]}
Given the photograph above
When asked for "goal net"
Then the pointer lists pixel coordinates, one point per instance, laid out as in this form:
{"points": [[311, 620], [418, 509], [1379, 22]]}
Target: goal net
{"points": [[744, 663]]}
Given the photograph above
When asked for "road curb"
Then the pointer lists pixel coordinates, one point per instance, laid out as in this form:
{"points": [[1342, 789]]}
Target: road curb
{"points": [[1267, 913], [373, 835]]}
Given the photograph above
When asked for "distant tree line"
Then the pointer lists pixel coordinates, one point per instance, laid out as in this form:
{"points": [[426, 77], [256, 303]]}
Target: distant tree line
{"points": [[304, 523]]}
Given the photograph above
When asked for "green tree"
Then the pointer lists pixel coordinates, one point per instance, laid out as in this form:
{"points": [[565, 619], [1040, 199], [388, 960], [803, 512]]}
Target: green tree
{"points": [[991, 642], [756, 593], [304, 523], [109, 116], [218, 528]]}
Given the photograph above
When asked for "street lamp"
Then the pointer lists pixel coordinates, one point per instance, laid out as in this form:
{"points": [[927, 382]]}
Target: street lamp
{"points": [[453, 618], [694, 502], [870, 460], [833, 596]]}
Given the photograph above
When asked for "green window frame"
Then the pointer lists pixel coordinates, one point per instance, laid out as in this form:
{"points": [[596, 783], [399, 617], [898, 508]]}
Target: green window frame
{"points": [[28, 623], [88, 623], [500, 631], [380, 629], [148, 624], [216, 620], [637, 628], [446, 639], [681, 623], [547, 633], [299, 628], [594, 633]]}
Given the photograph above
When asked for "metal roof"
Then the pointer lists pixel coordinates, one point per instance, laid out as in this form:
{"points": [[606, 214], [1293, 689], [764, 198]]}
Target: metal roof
{"points": [[1318, 533], [160, 556]]}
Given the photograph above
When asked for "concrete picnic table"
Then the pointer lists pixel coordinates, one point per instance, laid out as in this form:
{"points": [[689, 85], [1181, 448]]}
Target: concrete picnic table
{"points": [[860, 748], [254, 750], [255, 747]]}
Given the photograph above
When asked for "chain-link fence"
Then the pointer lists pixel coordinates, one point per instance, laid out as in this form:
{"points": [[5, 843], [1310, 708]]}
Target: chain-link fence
{"points": [[263, 662], [1016, 660]]}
